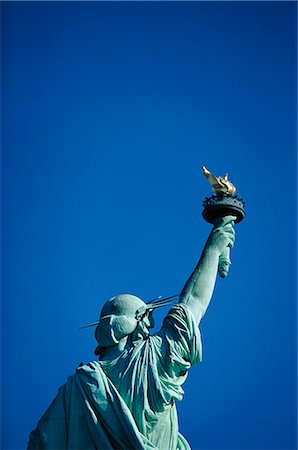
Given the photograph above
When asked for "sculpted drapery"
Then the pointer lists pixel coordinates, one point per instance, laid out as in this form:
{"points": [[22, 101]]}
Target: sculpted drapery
{"points": [[127, 402]]}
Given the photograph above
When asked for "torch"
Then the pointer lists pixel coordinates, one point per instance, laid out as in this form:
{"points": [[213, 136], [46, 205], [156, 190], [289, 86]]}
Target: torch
{"points": [[224, 202]]}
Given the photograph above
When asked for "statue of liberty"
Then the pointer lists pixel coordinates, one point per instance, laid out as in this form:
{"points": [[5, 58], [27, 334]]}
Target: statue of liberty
{"points": [[127, 398]]}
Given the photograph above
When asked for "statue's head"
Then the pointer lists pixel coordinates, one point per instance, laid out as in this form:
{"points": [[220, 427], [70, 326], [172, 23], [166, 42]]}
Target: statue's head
{"points": [[126, 315], [120, 317]]}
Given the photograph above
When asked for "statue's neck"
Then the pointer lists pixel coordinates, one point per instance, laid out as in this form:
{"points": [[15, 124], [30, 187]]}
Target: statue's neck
{"points": [[114, 351]]}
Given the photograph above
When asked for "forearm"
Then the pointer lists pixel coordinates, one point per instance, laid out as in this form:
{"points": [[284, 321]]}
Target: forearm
{"points": [[199, 288]]}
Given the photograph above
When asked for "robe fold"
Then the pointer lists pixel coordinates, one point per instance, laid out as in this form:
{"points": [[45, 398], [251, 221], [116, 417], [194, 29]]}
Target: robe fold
{"points": [[126, 403]]}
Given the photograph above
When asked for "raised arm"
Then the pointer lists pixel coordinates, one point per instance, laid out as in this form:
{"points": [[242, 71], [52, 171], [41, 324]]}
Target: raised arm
{"points": [[198, 290]]}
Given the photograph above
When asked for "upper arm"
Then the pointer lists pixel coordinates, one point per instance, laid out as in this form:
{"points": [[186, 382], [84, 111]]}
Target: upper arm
{"points": [[181, 340], [195, 306]]}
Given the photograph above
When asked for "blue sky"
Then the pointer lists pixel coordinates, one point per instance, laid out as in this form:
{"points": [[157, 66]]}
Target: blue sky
{"points": [[108, 112]]}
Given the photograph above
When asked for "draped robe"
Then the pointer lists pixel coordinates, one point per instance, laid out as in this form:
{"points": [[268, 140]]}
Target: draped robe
{"points": [[126, 403]]}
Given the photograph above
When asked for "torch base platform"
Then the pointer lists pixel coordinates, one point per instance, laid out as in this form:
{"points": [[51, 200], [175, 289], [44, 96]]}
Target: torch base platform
{"points": [[221, 205]]}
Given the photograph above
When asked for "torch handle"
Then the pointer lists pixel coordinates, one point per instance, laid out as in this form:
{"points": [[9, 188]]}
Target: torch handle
{"points": [[224, 263]]}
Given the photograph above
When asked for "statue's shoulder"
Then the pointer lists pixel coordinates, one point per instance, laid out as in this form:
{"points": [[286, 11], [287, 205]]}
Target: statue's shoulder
{"points": [[92, 367]]}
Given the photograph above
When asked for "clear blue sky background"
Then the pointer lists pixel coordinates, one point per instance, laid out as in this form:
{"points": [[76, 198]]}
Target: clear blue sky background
{"points": [[109, 111]]}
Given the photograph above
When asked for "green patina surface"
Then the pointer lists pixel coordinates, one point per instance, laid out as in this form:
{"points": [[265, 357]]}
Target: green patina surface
{"points": [[127, 398]]}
